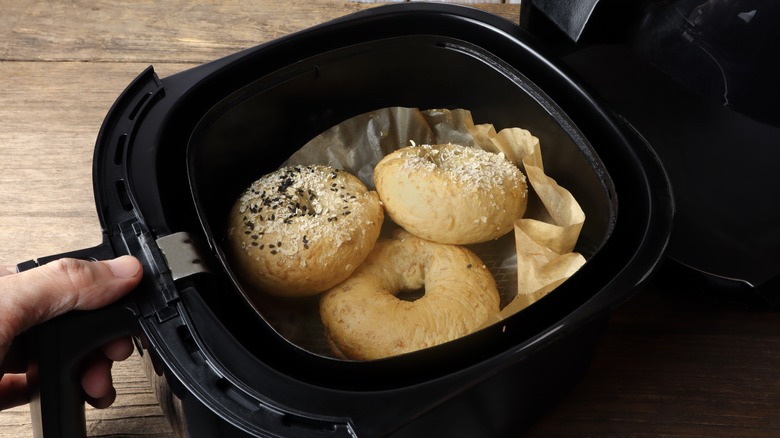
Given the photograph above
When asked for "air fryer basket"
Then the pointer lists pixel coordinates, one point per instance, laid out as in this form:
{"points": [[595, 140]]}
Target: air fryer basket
{"points": [[252, 131], [173, 154]]}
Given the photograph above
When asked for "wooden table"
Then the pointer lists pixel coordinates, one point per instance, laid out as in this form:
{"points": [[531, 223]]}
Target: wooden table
{"points": [[671, 363]]}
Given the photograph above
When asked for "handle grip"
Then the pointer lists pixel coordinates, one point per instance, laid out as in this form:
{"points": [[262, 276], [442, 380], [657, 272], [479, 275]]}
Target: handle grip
{"points": [[56, 349]]}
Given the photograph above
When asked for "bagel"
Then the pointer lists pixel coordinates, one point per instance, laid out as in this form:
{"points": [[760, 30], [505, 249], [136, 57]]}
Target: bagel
{"points": [[452, 194], [302, 229], [364, 319]]}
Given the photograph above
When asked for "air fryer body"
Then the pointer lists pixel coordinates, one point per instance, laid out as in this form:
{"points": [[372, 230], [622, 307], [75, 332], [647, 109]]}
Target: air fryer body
{"points": [[173, 152], [698, 81]]}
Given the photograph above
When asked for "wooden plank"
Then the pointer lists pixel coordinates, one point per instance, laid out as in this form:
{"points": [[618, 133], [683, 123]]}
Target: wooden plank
{"points": [[674, 364], [51, 113], [178, 31]]}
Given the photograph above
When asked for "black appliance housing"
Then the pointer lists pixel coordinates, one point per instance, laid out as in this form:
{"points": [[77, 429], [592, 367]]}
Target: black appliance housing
{"points": [[698, 80], [167, 162]]}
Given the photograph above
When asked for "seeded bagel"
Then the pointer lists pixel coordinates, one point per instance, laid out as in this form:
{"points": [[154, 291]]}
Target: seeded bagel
{"points": [[302, 229], [452, 194]]}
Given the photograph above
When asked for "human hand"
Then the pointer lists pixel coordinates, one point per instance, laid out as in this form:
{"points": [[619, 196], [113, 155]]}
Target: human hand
{"points": [[32, 297]]}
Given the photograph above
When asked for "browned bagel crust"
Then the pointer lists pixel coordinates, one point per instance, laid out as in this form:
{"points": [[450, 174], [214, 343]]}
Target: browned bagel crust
{"points": [[450, 193], [365, 320], [302, 229]]}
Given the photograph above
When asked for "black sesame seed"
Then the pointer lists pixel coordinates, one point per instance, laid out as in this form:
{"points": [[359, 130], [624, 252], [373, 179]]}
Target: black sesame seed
{"points": [[262, 246], [272, 246], [468, 266], [273, 251]]}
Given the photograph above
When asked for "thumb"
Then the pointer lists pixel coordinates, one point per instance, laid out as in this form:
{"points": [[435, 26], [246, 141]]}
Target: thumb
{"points": [[35, 296]]}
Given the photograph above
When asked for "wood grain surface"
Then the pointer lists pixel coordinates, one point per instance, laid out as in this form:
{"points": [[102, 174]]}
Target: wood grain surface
{"points": [[670, 364]]}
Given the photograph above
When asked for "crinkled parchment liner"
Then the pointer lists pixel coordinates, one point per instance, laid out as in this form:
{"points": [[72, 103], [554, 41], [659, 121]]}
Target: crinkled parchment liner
{"points": [[526, 266]]}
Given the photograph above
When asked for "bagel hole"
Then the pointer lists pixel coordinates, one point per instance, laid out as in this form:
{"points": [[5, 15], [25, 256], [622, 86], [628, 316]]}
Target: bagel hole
{"points": [[411, 295]]}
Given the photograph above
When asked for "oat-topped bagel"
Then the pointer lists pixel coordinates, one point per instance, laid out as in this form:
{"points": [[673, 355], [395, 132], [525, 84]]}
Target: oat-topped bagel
{"points": [[302, 229], [364, 319], [450, 193]]}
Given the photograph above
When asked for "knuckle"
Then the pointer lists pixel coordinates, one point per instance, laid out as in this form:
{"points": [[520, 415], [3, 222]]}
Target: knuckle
{"points": [[77, 274]]}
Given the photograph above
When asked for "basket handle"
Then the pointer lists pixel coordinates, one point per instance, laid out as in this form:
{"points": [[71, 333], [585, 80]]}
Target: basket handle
{"points": [[56, 349]]}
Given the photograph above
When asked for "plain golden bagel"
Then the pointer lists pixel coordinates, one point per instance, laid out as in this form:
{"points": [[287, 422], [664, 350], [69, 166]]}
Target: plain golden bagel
{"points": [[302, 229], [450, 193], [364, 319]]}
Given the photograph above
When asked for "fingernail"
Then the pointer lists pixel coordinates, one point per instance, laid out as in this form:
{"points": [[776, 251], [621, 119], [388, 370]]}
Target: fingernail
{"points": [[124, 267]]}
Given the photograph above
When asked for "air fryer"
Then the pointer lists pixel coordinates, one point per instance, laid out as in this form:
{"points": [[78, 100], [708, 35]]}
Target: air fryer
{"points": [[698, 80], [173, 153]]}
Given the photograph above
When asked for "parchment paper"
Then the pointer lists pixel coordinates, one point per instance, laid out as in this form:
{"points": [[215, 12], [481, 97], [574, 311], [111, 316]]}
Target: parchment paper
{"points": [[526, 265]]}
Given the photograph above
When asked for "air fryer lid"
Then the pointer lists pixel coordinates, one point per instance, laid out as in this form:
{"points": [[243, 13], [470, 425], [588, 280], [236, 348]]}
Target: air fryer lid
{"points": [[162, 200]]}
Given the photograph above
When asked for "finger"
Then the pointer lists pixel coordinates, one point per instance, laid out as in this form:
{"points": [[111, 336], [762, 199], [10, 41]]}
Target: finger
{"points": [[96, 379], [34, 296], [7, 270], [118, 349], [13, 391], [103, 402], [98, 383]]}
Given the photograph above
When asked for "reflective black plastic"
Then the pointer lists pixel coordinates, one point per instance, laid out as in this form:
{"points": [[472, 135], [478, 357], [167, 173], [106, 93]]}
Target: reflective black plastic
{"points": [[698, 80]]}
